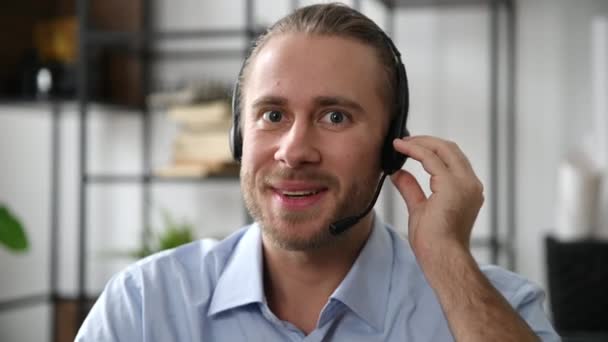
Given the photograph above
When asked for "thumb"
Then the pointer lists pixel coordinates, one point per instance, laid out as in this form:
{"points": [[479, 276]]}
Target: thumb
{"points": [[409, 188]]}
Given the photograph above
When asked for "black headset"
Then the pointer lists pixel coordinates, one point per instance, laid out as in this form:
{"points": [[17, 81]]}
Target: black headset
{"points": [[391, 159]]}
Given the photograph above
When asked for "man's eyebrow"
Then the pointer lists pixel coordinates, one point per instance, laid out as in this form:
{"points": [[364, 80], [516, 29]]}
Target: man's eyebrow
{"points": [[324, 101], [321, 101], [269, 100]]}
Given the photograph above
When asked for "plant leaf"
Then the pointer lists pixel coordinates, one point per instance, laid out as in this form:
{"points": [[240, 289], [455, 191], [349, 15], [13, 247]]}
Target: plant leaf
{"points": [[12, 234], [175, 236]]}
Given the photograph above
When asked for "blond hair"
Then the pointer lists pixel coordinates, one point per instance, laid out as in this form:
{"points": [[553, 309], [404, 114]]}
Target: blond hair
{"points": [[333, 19]]}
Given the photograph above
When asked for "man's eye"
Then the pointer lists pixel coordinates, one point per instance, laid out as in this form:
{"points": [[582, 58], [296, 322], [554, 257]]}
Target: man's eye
{"points": [[272, 116], [334, 117]]}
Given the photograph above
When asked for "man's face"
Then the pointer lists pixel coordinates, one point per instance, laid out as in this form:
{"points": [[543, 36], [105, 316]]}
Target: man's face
{"points": [[313, 126]]}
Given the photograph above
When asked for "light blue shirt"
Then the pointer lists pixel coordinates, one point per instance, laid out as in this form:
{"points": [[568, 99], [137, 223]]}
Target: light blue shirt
{"points": [[208, 291]]}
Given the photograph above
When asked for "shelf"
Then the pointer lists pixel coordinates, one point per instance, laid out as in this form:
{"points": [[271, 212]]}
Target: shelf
{"points": [[43, 106], [156, 55], [95, 104], [121, 38], [30, 100], [141, 179], [25, 301], [438, 3], [484, 242], [135, 42]]}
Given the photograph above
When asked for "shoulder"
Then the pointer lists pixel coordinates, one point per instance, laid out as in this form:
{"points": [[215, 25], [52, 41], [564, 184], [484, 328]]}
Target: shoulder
{"points": [[515, 288], [525, 297], [184, 274], [156, 288], [188, 262]]}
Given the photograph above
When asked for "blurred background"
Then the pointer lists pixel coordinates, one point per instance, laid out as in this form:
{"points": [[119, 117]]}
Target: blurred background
{"points": [[113, 139]]}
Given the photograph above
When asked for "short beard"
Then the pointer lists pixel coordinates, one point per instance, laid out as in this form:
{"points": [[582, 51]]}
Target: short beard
{"points": [[355, 200]]}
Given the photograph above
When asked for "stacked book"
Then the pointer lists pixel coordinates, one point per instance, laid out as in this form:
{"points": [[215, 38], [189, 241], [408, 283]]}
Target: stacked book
{"points": [[201, 145]]}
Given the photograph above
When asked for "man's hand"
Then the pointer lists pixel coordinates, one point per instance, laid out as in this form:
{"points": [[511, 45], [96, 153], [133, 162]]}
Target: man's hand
{"points": [[439, 233], [447, 216]]}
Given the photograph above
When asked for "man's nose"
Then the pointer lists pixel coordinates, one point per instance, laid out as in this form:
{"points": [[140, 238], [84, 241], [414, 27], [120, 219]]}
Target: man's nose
{"points": [[298, 145]]}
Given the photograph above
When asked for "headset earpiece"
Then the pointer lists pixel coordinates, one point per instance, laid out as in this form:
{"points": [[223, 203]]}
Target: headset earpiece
{"points": [[235, 137], [391, 159]]}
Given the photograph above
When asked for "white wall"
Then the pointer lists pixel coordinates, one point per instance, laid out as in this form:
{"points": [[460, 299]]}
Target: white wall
{"points": [[553, 111], [446, 56], [24, 186]]}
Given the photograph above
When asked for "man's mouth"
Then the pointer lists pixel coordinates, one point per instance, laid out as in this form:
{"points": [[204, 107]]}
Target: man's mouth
{"points": [[303, 193], [296, 195]]}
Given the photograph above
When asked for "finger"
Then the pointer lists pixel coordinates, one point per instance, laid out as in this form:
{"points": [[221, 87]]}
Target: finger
{"points": [[429, 160], [448, 151], [409, 188]]}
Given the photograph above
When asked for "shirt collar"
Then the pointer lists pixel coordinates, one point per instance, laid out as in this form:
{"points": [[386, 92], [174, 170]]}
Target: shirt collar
{"points": [[241, 283], [365, 289]]}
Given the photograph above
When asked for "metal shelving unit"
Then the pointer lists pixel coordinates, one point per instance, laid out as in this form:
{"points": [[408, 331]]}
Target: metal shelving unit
{"points": [[141, 44]]}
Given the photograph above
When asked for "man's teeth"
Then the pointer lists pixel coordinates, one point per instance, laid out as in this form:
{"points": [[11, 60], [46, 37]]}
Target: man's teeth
{"points": [[299, 193]]}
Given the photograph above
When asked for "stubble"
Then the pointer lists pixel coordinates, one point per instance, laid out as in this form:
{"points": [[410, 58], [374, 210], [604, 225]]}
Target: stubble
{"points": [[281, 227]]}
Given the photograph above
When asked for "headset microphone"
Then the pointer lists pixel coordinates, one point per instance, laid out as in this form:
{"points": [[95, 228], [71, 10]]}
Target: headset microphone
{"points": [[342, 225]]}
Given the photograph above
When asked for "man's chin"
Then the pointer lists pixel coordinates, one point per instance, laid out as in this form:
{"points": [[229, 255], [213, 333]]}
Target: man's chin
{"points": [[298, 234]]}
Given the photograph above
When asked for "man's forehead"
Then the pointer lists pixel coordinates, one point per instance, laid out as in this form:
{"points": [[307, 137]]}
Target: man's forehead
{"points": [[321, 65], [311, 47]]}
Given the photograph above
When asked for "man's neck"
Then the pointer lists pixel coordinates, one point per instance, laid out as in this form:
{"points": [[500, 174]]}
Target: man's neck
{"points": [[299, 283]]}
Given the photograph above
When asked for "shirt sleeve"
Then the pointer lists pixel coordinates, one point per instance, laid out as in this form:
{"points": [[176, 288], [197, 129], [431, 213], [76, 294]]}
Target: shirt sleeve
{"points": [[528, 301], [525, 297], [117, 313]]}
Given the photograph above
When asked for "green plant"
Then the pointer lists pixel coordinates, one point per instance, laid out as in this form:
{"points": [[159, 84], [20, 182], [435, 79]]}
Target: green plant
{"points": [[12, 234], [174, 234]]}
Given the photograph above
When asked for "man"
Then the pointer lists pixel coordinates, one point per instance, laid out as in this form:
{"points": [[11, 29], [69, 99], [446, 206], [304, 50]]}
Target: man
{"points": [[316, 101]]}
